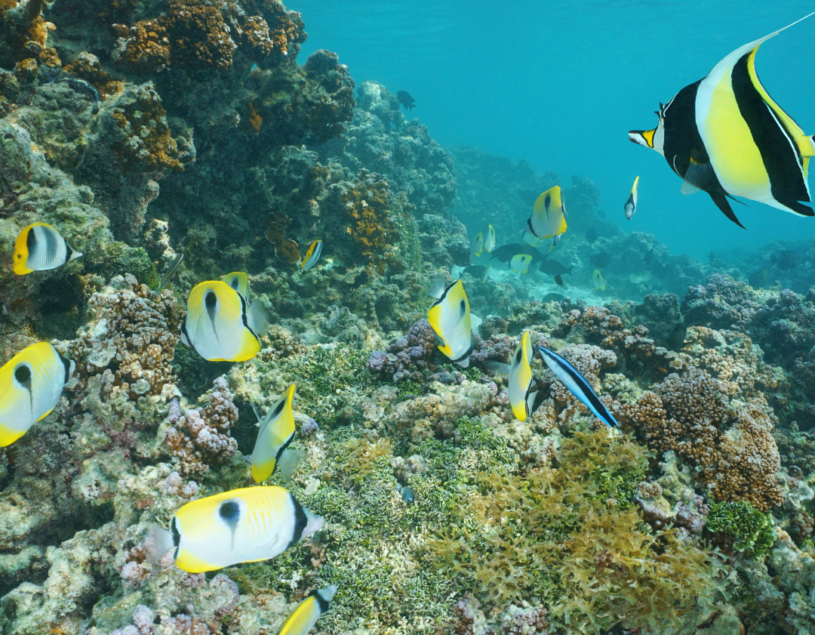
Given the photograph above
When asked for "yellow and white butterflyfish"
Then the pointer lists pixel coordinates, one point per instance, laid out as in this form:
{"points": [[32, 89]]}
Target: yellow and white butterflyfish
{"points": [[219, 326], [489, 241], [597, 279], [274, 436], [40, 247], [520, 263], [305, 616], [478, 244], [312, 255], [726, 136], [242, 525], [239, 281], [630, 206], [451, 320], [521, 388], [31, 384], [548, 217]]}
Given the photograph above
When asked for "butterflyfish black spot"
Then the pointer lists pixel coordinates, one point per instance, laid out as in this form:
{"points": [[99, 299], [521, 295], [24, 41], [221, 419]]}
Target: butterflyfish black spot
{"points": [[462, 307], [31, 239], [230, 512], [278, 408], [518, 356], [210, 300], [23, 375], [547, 202], [174, 532]]}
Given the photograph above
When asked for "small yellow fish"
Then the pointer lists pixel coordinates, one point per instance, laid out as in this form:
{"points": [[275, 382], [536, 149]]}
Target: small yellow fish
{"points": [[312, 255], [40, 247], [489, 242], [478, 244], [520, 385], [520, 263], [242, 525], [274, 436], [31, 384], [305, 616], [451, 320], [548, 217], [630, 206], [238, 281], [599, 283]]}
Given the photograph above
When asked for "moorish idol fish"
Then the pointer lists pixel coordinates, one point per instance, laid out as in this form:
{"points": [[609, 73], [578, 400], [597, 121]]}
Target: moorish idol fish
{"points": [[305, 616], [489, 241], [726, 136], [239, 281], [630, 206], [520, 263], [274, 436], [577, 385], [40, 247], [522, 387], [548, 217], [218, 325], [31, 384], [312, 255], [242, 525], [478, 244], [451, 320]]}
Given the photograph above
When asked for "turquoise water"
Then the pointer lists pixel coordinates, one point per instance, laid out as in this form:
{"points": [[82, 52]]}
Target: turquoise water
{"points": [[560, 84]]}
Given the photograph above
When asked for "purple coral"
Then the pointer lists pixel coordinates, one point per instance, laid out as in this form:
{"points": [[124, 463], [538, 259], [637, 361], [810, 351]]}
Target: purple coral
{"points": [[407, 356], [498, 348]]}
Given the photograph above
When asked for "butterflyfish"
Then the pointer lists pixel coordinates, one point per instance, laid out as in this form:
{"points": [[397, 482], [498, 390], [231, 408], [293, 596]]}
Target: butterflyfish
{"points": [[520, 263], [522, 387], [548, 217], [312, 255], [451, 320], [478, 244], [239, 281], [305, 616], [31, 384], [242, 525], [597, 279], [219, 326], [40, 247], [274, 436], [630, 206], [725, 135], [489, 241], [577, 385]]}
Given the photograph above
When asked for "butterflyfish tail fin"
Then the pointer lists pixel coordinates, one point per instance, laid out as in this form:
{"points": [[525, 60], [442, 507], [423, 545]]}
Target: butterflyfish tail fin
{"points": [[475, 322], [288, 463], [258, 319], [497, 368], [724, 206], [74, 255], [157, 542]]}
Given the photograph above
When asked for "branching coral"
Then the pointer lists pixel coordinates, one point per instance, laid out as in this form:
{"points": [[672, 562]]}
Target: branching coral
{"points": [[729, 445], [200, 439]]}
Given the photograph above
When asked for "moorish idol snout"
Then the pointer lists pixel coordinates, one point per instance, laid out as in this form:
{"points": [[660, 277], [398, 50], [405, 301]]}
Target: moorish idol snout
{"points": [[726, 136]]}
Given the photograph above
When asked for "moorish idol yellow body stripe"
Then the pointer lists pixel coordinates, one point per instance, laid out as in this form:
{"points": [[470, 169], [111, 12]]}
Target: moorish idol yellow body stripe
{"points": [[305, 616], [218, 324], [274, 436], [40, 247], [726, 136], [31, 384], [242, 525]]}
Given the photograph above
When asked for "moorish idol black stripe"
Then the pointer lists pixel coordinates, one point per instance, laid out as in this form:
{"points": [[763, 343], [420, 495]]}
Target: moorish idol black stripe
{"points": [[577, 385]]}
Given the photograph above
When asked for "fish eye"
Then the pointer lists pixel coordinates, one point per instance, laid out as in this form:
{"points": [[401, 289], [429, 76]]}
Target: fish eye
{"points": [[230, 512], [22, 374]]}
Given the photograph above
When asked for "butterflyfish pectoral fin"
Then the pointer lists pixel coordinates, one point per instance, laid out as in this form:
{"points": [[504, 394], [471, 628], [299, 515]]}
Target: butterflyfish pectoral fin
{"points": [[721, 202]]}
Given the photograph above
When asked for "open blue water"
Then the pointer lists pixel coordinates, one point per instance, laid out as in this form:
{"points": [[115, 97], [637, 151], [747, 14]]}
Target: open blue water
{"points": [[561, 83]]}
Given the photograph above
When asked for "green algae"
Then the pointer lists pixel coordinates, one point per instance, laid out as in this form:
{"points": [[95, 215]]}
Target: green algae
{"points": [[751, 531]]}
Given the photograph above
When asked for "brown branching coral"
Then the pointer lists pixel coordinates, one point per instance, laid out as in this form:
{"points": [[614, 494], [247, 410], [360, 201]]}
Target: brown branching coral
{"points": [[124, 355], [200, 439], [729, 445], [25, 33], [143, 140], [370, 226]]}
